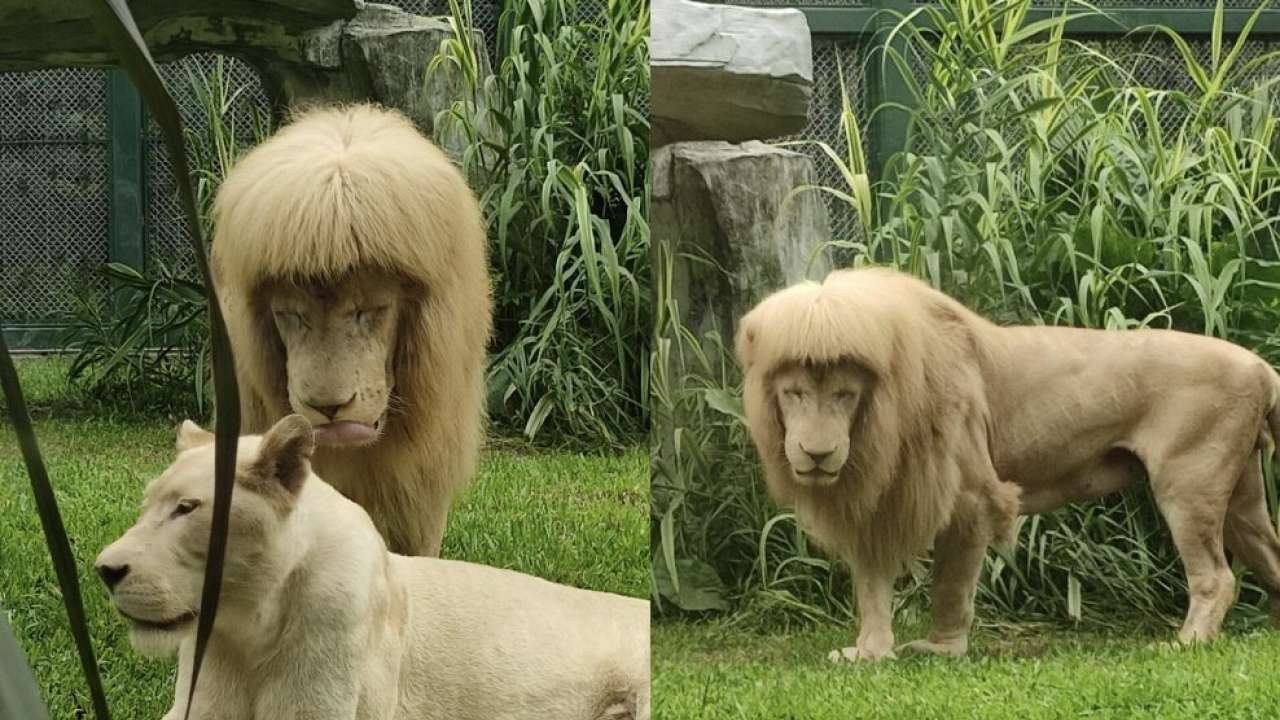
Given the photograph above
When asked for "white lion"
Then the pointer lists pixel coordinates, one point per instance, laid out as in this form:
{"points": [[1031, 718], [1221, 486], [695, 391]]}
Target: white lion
{"points": [[318, 620]]}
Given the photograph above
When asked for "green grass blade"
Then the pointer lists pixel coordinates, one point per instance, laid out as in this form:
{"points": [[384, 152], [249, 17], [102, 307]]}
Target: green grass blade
{"points": [[55, 534], [116, 22]]}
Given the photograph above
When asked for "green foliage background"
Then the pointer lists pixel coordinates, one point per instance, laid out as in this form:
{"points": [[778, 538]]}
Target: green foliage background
{"points": [[1045, 183]]}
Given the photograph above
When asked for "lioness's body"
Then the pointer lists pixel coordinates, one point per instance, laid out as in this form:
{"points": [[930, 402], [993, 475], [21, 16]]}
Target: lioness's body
{"points": [[956, 425], [318, 620]]}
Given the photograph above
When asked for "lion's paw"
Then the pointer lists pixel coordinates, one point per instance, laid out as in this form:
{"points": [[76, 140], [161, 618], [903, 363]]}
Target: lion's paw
{"points": [[856, 654], [955, 648]]}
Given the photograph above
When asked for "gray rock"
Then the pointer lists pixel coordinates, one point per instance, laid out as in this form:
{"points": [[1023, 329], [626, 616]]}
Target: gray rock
{"points": [[728, 219], [393, 48], [723, 72]]}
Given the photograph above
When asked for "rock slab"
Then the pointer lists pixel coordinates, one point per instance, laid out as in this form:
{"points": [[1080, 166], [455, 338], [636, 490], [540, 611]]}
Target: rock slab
{"points": [[724, 72]]}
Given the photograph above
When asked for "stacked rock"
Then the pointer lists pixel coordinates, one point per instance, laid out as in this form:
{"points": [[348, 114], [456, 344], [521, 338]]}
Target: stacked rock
{"points": [[725, 209]]}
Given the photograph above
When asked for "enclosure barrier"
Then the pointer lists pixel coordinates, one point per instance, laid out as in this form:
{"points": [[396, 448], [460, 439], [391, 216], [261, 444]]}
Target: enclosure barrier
{"points": [[85, 181], [846, 32]]}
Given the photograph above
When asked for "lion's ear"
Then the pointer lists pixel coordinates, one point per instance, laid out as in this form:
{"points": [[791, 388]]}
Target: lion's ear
{"points": [[745, 342], [191, 435], [284, 458]]}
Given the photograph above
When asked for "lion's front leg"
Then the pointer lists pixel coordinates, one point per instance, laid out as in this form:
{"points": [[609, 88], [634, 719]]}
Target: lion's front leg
{"points": [[956, 566], [873, 590], [424, 538]]}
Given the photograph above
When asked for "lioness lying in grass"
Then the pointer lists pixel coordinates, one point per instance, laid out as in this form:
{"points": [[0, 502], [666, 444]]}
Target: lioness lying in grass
{"points": [[318, 620]]}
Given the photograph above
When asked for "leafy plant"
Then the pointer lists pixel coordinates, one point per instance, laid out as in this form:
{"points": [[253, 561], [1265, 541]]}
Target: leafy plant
{"points": [[147, 345], [1047, 182], [147, 342], [557, 138]]}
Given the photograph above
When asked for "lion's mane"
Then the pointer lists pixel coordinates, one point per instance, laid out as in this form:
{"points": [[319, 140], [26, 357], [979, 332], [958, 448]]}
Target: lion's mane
{"points": [[345, 190], [923, 421]]}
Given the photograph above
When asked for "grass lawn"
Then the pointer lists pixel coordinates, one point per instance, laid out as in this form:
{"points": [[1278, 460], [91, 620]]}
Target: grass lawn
{"points": [[720, 670], [575, 519]]}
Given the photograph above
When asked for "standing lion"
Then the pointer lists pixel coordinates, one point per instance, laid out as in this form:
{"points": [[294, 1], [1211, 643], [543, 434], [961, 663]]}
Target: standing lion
{"points": [[350, 260], [894, 419]]}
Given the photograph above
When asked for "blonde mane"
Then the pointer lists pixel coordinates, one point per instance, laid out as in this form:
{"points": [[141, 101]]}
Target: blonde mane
{"points": [[345, 191], [901, 483]]}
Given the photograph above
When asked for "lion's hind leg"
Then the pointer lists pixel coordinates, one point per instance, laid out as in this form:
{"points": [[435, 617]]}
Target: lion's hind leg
{"points": [[1195, 511], [1249, 534]]}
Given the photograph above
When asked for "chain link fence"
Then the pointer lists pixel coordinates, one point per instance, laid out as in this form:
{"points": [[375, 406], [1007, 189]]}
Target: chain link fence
{"points": [[1152, 61], [54, 190], [56, 177]]}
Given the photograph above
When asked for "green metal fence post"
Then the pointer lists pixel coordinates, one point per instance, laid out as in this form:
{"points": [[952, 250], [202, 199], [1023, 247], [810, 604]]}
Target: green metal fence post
{"points": [[888, 126], [127, 191]]}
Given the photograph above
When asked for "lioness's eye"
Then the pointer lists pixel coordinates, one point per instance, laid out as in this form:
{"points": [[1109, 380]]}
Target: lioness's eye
{"points": [[845, 395], [792, 393], [186, 506]]}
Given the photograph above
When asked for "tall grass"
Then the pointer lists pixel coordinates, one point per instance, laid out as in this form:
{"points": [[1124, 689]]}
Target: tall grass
{"points": [[557, 143], [1045, 183]]}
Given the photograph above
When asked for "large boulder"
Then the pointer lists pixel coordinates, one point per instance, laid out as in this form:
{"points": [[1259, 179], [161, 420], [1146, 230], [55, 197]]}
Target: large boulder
{"points": [[304, 50], [728, 220], [724, 72]]}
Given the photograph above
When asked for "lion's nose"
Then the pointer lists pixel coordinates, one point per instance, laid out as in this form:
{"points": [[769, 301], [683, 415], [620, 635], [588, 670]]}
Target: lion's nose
{"points": [[112, 574], [331, 411], [817, 456]]}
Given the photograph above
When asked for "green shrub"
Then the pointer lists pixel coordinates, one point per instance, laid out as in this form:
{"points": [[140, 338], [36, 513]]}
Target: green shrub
{"points": [[1044, 183], [557, 145]]}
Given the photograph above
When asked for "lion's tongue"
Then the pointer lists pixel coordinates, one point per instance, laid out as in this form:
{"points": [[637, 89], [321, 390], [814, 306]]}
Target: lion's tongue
{"points": [[343, 432]]}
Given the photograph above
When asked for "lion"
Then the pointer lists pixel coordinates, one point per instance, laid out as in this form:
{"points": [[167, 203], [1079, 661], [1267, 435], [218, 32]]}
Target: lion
{"points": [[351, 265], [317, 619], [894, 419]]}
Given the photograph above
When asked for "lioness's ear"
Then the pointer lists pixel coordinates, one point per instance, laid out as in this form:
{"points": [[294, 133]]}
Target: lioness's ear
{"points": [[285, 454], [191, 435]]}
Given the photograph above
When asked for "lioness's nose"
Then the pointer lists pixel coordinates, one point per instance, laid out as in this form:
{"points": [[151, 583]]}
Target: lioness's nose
{"points": [[112, 574], [815, 456], [331, 411]]}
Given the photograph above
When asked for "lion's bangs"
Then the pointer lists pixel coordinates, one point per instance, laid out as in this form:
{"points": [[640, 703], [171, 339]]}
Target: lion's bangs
{"points": [[340, 189], [853, 316]]}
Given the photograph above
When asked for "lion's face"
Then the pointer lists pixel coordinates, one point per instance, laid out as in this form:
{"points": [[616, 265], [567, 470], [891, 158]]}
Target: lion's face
{"points": [[339, 342], [817, 407], [155, 571]]}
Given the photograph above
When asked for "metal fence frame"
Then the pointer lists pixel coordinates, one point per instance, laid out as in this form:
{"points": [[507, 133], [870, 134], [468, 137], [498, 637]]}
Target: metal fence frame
{"points": [[870, 23], [865, 25]]}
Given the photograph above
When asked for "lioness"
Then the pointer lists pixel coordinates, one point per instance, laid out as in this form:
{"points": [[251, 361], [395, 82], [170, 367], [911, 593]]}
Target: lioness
{"points": [[318, 620], [893, 419]]}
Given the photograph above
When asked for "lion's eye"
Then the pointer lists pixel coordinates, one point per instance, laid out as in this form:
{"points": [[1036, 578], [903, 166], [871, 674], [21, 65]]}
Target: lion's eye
{"points": [[845, 395], [289, 320], [792, 393], [186, 506], [366, 315]]}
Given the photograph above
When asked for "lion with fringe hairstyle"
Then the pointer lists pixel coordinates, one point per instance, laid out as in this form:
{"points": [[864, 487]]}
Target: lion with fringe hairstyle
{"points": [[350, 259], [892, 418], [880, 450]]}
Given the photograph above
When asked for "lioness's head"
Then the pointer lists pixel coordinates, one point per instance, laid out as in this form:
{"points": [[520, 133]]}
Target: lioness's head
{"points": [[817, 407], [339, 342], [155, 571]]}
